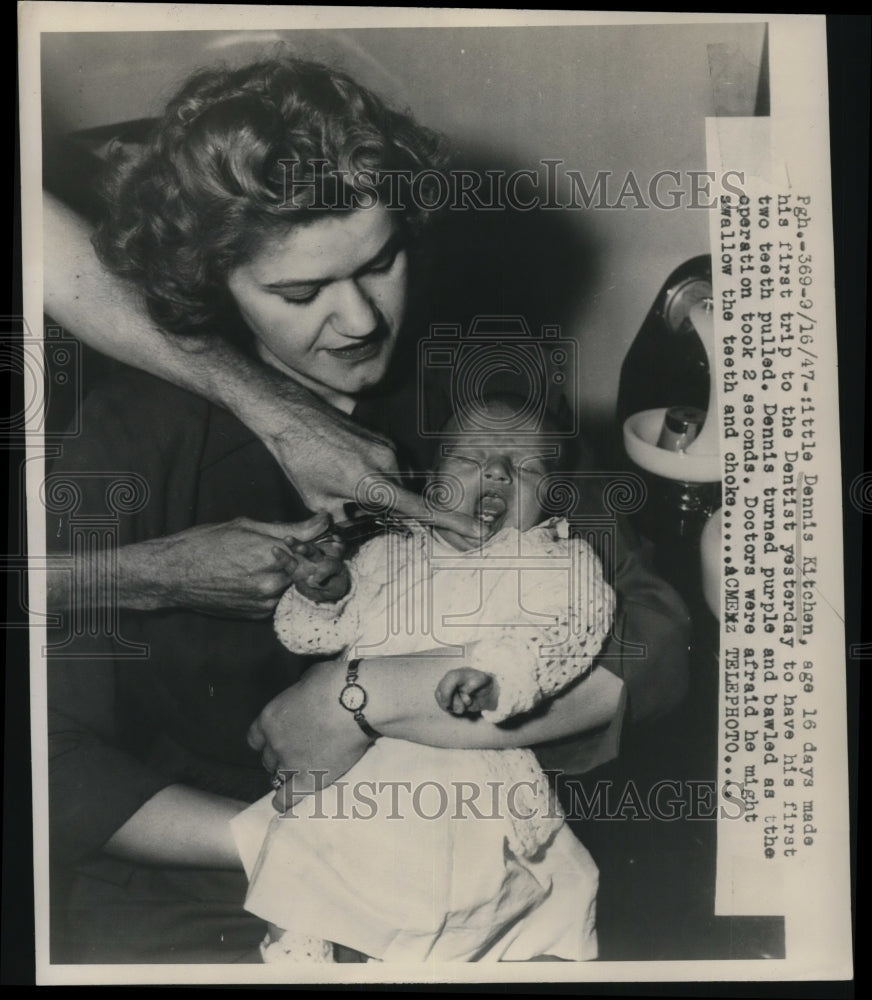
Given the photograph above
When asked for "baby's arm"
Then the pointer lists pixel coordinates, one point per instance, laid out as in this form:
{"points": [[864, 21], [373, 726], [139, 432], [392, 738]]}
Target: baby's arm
{"points": [[513, 670], [569, 649], [308, 619]]}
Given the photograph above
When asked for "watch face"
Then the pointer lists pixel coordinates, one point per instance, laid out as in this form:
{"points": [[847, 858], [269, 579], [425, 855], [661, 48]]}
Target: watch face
{"points": [[353, 697]]}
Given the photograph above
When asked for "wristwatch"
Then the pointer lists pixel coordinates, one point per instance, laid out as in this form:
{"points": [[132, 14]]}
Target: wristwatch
{"points": [[353, 697]]}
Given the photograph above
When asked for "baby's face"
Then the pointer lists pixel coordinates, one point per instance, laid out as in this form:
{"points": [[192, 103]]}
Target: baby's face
{"points": [[499, 481]]}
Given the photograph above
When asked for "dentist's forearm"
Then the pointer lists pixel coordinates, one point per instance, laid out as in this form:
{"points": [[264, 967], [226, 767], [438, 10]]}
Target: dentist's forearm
{"points": [[110, 316]]}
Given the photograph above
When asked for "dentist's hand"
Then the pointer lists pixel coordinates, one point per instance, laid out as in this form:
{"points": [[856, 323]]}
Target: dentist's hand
{"points": [[238, 569]]}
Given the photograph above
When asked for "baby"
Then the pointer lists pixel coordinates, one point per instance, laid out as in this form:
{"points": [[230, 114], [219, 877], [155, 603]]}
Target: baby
{"points": [[513, 885]]}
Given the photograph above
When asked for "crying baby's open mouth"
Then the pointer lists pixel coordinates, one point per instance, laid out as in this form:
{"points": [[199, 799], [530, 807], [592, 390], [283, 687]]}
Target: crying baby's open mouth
{"points": [[491, 509]]}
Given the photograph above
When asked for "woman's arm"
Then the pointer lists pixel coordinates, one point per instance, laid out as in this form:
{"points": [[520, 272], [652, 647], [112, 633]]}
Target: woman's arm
{"points": [[305, 730], [409, 711], [309, 628]]}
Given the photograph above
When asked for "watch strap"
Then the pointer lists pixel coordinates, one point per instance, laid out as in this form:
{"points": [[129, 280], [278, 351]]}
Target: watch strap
{"points": [[351, 680]]}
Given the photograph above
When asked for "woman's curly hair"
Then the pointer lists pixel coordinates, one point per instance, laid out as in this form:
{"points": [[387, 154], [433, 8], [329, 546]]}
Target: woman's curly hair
{"points": [[213, 180]]}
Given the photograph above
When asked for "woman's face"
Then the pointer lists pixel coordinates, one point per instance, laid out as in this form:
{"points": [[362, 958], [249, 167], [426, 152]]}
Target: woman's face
{"points": [[326, 300]]}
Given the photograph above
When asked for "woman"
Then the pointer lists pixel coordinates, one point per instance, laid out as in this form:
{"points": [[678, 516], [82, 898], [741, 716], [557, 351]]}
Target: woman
{"points": [[150, 762]]}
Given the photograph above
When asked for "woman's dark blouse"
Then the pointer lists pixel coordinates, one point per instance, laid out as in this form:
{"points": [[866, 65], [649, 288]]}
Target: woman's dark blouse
{"points": [[123, 726]]}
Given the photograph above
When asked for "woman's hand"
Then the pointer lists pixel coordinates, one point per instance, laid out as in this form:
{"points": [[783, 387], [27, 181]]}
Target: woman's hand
{"points": [[307, 734]]}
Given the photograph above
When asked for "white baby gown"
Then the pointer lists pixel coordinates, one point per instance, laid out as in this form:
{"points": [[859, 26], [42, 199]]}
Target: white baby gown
{"points": [[428, 854]]}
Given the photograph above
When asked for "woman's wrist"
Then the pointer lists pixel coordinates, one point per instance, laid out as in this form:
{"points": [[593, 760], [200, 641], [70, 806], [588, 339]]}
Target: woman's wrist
{"points": [[354, 698], [397, 694], [326, 683]]}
